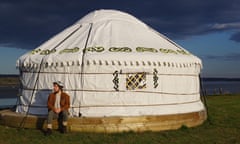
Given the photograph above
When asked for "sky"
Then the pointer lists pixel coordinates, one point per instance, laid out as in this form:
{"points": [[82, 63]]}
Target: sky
{"points": [[208, 29]]}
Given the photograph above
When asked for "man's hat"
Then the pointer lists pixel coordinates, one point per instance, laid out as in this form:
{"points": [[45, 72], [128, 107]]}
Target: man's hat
{"points": [[59, 83]]}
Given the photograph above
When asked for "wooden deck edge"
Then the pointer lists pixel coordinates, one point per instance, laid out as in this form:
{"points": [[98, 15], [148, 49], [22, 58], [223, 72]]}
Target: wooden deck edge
{"points": [[108, 124]]}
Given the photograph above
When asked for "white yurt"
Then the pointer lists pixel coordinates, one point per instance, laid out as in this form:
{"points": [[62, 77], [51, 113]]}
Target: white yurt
{"points": [[113, 66]]}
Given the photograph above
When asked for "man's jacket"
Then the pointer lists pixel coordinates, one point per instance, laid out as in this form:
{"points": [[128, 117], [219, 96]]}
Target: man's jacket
{"points": [[64, 101]]}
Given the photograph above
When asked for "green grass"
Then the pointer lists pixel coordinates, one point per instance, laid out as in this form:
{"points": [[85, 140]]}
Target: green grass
{"points": [[223, 127]]}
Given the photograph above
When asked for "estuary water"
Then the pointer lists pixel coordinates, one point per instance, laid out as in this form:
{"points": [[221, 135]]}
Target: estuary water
{"points": [[8, 94]]}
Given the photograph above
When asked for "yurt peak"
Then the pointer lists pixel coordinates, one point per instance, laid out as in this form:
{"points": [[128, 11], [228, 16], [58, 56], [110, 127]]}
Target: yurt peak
{"points": [[104, 15]]}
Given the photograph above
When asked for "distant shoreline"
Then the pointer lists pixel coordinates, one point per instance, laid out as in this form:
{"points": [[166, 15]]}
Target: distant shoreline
{"points": [[12, 80], [9, 80], [16, 76], [220, 79], [8, 75], [10, 85]]}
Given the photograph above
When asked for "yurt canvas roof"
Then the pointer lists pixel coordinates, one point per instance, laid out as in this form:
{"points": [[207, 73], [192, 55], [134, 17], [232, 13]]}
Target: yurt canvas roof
{"points": [[107, 35]]}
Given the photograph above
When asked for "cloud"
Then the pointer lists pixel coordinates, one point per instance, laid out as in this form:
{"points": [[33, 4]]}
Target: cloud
{"points": [[28, 23], [227, 57], [186, 18], [235, 25]]}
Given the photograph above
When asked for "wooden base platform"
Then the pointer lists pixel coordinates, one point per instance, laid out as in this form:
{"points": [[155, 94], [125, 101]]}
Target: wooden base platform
{"points": [[107, 124]]}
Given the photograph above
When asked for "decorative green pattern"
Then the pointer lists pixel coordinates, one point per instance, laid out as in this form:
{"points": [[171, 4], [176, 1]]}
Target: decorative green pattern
{"points": [[47, 52], [116, 81], [144, 49], [94, 49], [73, 50], [155, 78], [167, 51], [35, 51], [120, 49], [183, 52], [111, 49]]}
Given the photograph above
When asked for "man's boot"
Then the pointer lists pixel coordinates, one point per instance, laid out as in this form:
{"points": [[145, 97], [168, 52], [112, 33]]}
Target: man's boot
{"points": [[48, 132], [64, 129]]}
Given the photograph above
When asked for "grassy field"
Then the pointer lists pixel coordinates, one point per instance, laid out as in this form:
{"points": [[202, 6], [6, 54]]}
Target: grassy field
{"points": [[223, 127]]}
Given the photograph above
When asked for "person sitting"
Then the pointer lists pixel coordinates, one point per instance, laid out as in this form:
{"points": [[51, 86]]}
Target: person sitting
{"points": [[58, 105]]}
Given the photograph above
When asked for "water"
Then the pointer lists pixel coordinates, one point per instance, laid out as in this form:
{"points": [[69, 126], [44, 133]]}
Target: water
{"points": [[8, 92], [8, 95], [224, 87], [7, 103]]}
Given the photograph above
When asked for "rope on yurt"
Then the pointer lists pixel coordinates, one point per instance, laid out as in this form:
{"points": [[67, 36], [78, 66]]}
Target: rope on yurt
{"points": [[82, 66], [38, 73], [28, 108], [203, 97]]}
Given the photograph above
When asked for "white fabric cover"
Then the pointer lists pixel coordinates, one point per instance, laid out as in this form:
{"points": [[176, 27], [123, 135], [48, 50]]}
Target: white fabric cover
{"points": [[94, 55]]}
